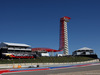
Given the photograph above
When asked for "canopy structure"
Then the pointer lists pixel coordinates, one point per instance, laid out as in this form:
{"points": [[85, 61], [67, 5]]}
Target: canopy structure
{"points": [[45, 49]]}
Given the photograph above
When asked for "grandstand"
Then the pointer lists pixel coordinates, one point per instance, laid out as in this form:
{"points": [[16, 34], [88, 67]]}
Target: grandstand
{"points": [[14, 50]]}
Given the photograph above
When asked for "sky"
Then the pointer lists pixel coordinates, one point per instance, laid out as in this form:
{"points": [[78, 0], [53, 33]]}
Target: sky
{"points": [[37, 23]]}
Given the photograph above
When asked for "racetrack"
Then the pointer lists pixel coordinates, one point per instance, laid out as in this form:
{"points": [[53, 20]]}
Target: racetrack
{"points": [[88, 70]]}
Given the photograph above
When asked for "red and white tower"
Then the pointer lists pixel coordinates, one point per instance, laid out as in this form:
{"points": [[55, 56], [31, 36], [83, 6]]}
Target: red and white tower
{"points": [[63, 34]]}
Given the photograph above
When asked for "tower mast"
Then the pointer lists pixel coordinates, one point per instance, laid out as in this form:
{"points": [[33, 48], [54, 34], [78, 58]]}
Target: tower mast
{"points": [[63, 34]]}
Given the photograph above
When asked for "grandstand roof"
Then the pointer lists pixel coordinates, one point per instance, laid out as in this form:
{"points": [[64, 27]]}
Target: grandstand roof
{"points": [[85, 48], [15, 44]]}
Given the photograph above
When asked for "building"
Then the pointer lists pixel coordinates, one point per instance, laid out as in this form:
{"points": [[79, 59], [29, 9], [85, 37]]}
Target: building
{"points": [[15, 49], [86, 52], [83, 51], [40, 53]]}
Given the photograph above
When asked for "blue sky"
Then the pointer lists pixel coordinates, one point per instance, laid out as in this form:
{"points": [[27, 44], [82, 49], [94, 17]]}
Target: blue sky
{"points": [[36, 22]]}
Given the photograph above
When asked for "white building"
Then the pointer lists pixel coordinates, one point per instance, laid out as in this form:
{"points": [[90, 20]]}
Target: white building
{"points": [[14, 48], [83, 51]]}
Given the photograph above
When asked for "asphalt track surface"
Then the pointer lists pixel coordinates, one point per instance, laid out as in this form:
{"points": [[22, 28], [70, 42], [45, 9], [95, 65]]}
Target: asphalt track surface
{"points": [[57, 71]]}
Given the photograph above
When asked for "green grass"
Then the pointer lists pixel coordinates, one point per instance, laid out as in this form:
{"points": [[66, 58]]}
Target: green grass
{"points": [[46, 60]]}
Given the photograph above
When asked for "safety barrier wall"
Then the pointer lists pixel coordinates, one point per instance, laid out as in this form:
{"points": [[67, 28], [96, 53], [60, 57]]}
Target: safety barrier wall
{"points": [[20, 65]]}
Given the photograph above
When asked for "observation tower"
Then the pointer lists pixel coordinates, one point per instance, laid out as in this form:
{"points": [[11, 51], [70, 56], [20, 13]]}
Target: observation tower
{"points": [[63, 34], [63, 44]]}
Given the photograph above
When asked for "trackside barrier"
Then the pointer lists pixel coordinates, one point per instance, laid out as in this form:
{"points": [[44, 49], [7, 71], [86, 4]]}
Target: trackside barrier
{"points": [[26, 65], [44, 68]]}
